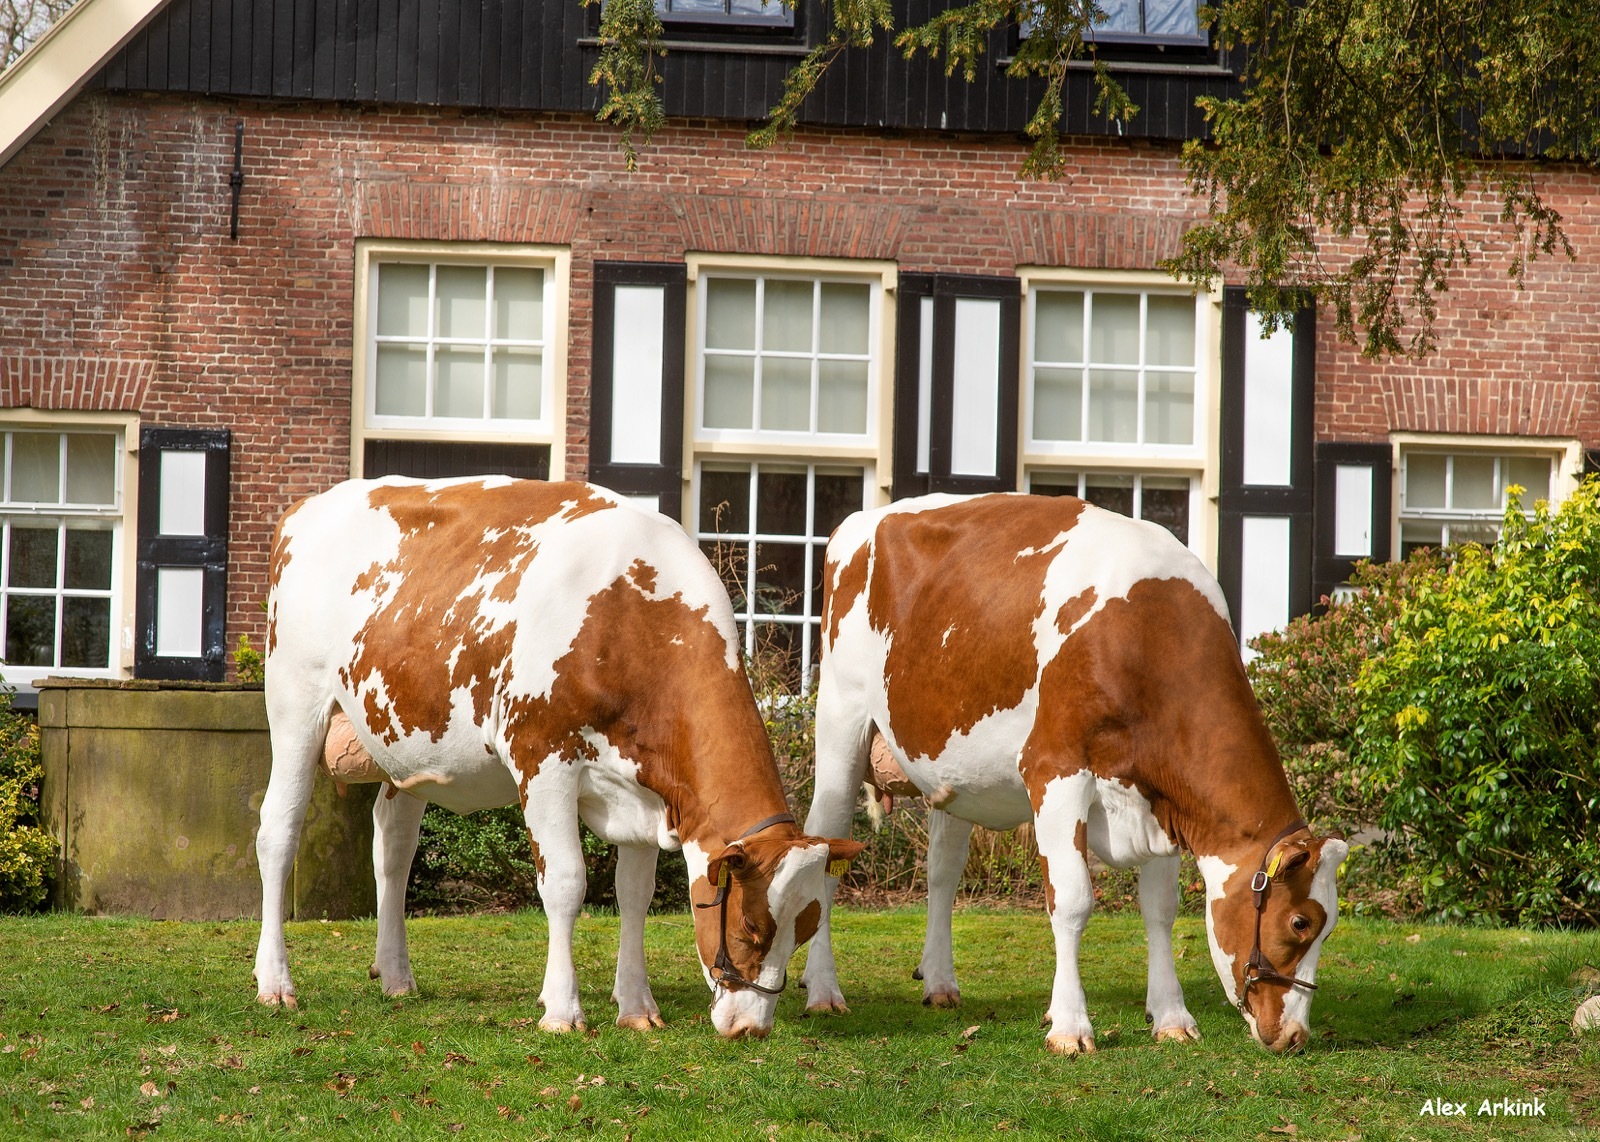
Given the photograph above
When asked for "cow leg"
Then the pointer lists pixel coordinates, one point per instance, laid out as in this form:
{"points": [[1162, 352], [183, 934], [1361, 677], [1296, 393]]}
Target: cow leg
{"points": [[1158, 901], [396, 825], [842, 741], [636, 884], [551, 810], [296, 744], [1061, 826], [948, 838]]}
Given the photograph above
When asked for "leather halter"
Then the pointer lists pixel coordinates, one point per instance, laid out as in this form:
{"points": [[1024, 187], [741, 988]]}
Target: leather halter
{"points": [[1264, 971], [724, 972]]}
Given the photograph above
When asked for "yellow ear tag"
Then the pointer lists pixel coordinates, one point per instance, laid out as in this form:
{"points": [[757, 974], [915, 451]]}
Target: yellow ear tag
{"points": [[722, 876], [1272, 868], [838, 867]]}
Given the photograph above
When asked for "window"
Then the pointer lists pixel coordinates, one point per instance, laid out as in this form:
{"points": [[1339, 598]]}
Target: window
{"points": [[1449, 498], [786, 435], [1160, 499], [61, 550], [463, 342], [1119, 387], [739, 13], [1138, 21]]}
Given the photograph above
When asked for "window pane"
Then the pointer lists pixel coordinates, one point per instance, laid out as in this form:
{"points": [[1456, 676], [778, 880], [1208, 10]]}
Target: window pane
{"points": [[1169, 331], [1058, 404], [786, 394], [779, 644], [1058, 326], [837, 495], [1165, 500], [36, 467], [1121, 16], [402, 381], [463, 311], [1114, 329], [764, 9], [730, 391], [725, 500], [1172, 17], [1113, 405], [1053, 484], [86, 633], [780, 501], [402, 301], [731, 315], [518, 380], [682, 7], [519, 304], [1533, 473], [1415, 533], [1425, 480], [88, 559], [91, 468], [30, 630], [458, 383], [780, 579], [846, 318], [842, 396], [786, 316], [730, 558], [1169, 408], [1114, 493], [1474, 484], [33, 556]]}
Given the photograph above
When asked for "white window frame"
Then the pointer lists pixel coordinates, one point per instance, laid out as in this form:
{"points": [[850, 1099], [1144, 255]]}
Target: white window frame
{"points": [[1200, 460], [124, 548], [1055, 475], [868, 451], [548, 429], [1566, 455]]}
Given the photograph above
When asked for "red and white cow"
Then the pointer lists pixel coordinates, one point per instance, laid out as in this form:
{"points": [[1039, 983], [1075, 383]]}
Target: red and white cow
{"points": [[498, 641], [1025, 656]]}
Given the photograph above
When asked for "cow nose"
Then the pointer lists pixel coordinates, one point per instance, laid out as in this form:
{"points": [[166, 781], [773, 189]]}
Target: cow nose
{"points": [[1292, 1038]]}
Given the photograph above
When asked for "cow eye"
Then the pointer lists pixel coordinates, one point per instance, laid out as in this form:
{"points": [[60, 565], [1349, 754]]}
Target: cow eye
{"points": [[749, 928], [1300, 923]]}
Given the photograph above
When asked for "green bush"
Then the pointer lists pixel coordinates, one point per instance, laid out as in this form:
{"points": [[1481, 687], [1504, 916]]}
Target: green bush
{"points": [[1480, 721], [26, 851], [1304, 677]]}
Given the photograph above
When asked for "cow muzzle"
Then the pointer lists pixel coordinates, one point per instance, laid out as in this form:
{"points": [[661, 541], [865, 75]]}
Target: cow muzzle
{"points": [[1292, 1038], [743, 1014]]}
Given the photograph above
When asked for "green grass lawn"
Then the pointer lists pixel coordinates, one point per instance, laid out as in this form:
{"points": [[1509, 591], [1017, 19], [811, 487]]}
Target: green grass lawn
{"points": [[119, 1027]]}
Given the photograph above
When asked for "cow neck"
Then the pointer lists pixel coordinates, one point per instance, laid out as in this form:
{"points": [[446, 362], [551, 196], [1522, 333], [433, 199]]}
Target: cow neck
{"points": [[1245, 804], [727, 780]]}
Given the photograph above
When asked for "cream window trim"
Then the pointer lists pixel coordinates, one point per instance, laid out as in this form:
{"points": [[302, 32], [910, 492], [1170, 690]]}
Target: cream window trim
{"points": [[870, 451], [549, 430], [1568, 454], [126, 564]]}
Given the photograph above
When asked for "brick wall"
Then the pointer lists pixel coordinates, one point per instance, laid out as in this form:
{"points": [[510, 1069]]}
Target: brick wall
{"points": [[120, 288]]}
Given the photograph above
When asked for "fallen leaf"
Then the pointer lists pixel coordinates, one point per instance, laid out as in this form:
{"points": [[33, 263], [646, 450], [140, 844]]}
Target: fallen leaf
{"points": [[452, 1058], [300, 1052], [970, 1031], [574, 1104], [150, 1090], [88, 1103], [418, 1048], [1414, 938], [1287, 1128]]}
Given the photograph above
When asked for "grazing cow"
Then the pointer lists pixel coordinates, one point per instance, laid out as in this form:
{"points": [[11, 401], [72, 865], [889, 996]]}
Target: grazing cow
{"points": [[497, 641], [1031, 657]]}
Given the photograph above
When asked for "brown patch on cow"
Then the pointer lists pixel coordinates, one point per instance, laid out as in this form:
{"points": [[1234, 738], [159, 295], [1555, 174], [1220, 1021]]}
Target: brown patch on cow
{"points": [[1049, 888], [277, 561], [643, 576], [962, 644], [1150, 691], [841, 587], [451, 537], [1080, 840], [1074, 609], [805, 924]]}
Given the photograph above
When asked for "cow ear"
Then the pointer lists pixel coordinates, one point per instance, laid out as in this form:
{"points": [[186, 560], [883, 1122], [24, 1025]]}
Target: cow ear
{"points": [[840, 853], [729, 861], [1286, 860]]}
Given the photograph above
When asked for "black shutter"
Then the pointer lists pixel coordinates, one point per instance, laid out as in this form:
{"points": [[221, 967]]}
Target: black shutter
{"points": [[163, 638], [656, 468], [1240, 500], [941, 473], [1338, 554]]}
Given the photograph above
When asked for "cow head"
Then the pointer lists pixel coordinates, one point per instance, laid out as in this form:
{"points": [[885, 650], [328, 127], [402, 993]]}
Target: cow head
{"points": [[1265, 945], [756, 901]]}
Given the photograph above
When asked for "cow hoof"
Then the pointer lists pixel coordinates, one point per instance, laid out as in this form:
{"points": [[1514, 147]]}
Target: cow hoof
{"points": [[828, 1007], [373, 972], [280, 999], [942, 999], [561, 1026], [1071, 1045], [406, 988], [1178, 1035], [917, 975], [640, 1022]]}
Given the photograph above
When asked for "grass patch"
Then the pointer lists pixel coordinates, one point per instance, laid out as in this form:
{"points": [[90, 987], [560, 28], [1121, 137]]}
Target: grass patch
{"points": [[123, 1027]]}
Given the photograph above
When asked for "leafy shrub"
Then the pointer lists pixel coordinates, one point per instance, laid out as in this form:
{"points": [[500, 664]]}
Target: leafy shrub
{"points": [[1481, 717], [1304, 677], [26, 851]]}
